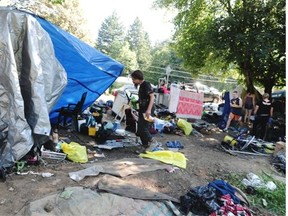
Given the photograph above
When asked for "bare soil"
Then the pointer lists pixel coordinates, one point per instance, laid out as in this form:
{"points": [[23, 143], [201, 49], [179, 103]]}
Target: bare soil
{"points": [[206, 161]]}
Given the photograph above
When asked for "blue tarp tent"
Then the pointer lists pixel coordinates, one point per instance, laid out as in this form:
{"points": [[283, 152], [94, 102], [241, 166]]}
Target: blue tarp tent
{"points": [[42, 68], [87, 69]]}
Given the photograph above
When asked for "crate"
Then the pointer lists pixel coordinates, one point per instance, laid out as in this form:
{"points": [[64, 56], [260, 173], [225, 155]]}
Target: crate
{"points": [[53, 155]]}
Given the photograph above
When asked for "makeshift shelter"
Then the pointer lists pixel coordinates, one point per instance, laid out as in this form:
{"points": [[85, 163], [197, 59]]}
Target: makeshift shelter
{"points": [[42, 68]]}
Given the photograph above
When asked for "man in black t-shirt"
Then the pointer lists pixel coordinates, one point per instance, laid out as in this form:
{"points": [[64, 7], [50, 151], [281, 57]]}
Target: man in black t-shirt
{"points": [[263, 111], [146, 106]]}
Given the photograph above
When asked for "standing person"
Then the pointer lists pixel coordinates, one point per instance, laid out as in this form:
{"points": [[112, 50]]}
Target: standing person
{"points": [[249, 105], [263, 111], [236, 110], [146, 106]]}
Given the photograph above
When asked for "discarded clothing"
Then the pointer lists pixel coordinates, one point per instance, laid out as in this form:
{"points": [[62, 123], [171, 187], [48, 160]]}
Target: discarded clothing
{"points": [[174, 144], [224, 188], [229, 208]]}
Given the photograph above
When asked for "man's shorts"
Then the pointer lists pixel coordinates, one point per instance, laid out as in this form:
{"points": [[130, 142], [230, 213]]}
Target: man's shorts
{"points": [[234, 117]]}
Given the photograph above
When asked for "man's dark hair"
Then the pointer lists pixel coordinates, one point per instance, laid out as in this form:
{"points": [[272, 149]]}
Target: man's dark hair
{"points": [[235, 92], [137, 74]]}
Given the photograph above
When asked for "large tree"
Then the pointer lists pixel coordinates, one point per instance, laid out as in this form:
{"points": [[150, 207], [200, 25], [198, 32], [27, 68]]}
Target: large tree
{"points": [[254, 33], [110, 34], [140, 43], [248, 33]]}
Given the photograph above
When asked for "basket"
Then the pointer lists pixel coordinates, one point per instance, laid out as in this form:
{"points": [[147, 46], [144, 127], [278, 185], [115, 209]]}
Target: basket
{"points": [[53, 155]]}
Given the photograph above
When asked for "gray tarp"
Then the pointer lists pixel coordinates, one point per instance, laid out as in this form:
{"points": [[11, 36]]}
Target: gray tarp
{"points": [[83, 202], [31, 80]]}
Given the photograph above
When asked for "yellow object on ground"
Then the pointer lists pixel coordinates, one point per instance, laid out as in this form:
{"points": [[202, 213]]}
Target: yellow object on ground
{"points": [[169, 157], [230, 140], [75, 152], [185, 126]]}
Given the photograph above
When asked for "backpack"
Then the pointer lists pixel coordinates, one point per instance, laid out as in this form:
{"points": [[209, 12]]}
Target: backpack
{"points": [[102, 134]]}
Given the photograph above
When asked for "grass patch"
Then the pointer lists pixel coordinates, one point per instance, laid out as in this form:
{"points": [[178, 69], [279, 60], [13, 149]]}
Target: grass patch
{"points": [[276, 201]]}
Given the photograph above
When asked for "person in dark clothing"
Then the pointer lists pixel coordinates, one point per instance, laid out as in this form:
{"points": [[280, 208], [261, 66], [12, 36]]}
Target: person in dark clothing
{"points": [[249, 105], [278, 108], [263, 111], [146, 106], [236, 110]]}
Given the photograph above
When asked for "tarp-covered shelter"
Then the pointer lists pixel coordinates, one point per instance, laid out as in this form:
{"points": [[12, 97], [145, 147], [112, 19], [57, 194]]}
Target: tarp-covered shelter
{"points": [[42, 68]]}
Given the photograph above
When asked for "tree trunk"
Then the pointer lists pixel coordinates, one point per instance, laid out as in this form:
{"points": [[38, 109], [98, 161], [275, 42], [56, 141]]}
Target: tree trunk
{"points": [[268, 88], [248, 80]]}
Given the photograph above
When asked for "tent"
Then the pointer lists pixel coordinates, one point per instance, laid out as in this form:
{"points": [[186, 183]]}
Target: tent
{"points": [[42, 68], [87, 69]]}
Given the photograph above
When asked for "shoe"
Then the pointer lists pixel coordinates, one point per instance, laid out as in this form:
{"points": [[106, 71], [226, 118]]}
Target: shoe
{"points": [[225, 130], [141, 149]]}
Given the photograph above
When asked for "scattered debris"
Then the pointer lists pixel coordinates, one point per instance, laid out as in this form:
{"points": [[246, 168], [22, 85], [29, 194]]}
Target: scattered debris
{"points": [[44, 175], [254, 181]]}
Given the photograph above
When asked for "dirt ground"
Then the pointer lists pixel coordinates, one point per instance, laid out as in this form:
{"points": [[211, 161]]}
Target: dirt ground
{"points": [[206, 161]]}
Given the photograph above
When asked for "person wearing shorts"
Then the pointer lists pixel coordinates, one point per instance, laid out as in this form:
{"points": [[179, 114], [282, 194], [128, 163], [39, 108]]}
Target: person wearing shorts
{"points": [[249, 104], [236, 109]]}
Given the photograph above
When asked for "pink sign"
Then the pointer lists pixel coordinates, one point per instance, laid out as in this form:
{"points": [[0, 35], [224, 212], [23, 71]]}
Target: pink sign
{"points": [[190, 105]]}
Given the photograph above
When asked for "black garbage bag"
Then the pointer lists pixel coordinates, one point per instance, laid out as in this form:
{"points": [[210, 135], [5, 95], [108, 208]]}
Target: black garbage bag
{"points": [[201, 200], [103, 134]]}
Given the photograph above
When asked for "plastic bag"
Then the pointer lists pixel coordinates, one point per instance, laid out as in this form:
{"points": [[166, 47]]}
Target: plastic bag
{"points": [[201, 200], [75, 152], [185, 126]]}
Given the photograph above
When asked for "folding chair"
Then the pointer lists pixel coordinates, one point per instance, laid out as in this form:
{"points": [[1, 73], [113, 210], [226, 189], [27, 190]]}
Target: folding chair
{"points": [[71, 111]]}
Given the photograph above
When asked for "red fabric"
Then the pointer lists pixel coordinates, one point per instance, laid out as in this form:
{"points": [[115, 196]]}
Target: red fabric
{"points": [[229, 207]]}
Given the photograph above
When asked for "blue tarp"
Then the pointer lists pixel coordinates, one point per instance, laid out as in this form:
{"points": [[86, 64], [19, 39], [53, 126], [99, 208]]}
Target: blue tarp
{"points": [[87, 69]]}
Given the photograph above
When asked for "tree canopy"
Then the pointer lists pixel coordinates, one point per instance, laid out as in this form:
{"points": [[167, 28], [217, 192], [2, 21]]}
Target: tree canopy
{"points": [[65, 14], [139, 42], [247, 33]]}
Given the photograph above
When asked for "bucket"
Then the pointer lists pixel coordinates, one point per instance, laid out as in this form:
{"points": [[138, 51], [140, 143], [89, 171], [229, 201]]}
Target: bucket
{"points": [[91, 131]]}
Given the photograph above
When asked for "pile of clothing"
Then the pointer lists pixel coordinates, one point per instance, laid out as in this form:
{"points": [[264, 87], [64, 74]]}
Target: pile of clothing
{"points": [[216, 198]]}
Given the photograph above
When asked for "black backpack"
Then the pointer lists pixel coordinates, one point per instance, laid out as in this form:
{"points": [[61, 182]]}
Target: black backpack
{"points": [[102, 134]]}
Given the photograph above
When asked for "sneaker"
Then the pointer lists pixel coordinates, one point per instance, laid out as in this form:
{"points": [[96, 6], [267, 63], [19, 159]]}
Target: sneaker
{"points": [[141, 148], [225, 130]]}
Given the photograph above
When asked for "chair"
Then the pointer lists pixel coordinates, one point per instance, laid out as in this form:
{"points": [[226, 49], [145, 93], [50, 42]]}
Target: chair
{"points": [[71, 111]]}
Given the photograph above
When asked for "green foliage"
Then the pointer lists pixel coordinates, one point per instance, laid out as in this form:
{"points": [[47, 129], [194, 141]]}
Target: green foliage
{"points": [[65, 14], [139, 42], [254, 32], [210, 35], [128, 58], [163, 54], [57, 1], [110, 35]]}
